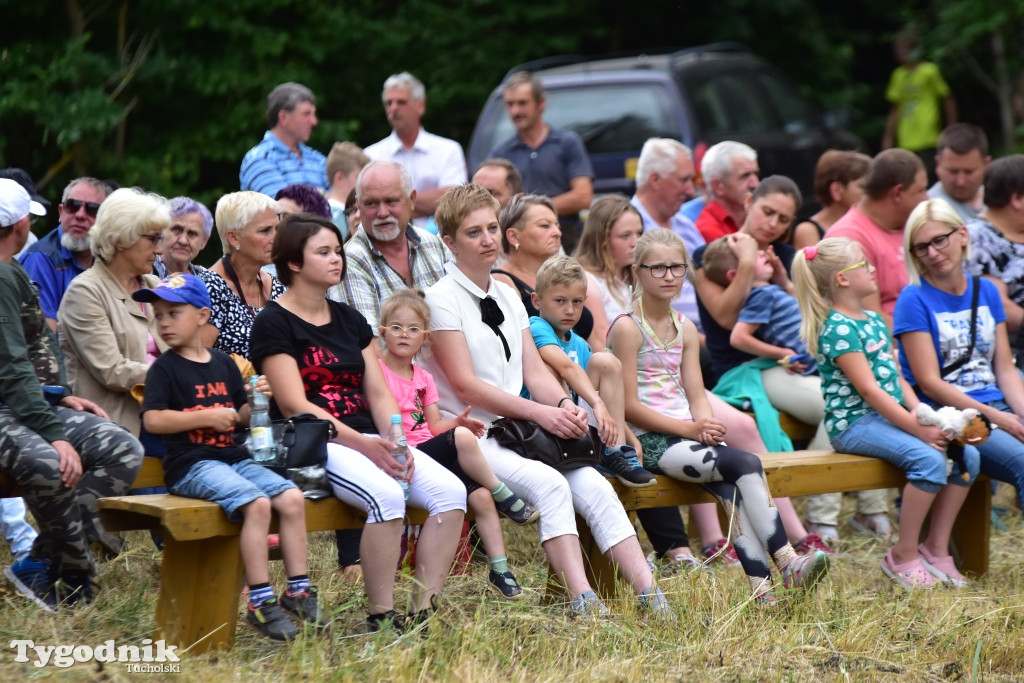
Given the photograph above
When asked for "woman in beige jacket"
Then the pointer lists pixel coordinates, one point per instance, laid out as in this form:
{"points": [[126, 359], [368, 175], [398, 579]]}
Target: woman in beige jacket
{"points": [[106, 337]]}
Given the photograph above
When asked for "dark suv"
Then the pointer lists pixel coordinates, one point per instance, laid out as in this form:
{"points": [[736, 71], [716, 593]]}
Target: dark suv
{"points": [[699, 96]]}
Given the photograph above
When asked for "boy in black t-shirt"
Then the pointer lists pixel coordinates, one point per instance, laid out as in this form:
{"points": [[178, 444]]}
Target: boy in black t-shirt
{"points": [[194, 397]]}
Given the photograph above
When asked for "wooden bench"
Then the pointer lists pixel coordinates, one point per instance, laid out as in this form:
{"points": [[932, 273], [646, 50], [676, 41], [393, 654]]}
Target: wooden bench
{"points": [[201, 574], [803, 473]]}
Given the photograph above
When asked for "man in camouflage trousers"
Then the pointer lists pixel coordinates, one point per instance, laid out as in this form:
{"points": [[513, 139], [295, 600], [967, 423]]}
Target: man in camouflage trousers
{"points": [[61, 451]]}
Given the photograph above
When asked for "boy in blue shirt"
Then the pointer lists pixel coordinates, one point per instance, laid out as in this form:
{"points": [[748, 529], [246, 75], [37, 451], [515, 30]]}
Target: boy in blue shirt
{"points": [[194, 397], [594, 377]]}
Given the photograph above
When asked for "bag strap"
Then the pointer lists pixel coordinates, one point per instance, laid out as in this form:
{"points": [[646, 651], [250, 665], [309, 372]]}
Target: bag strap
{"points": [[957, 364]]}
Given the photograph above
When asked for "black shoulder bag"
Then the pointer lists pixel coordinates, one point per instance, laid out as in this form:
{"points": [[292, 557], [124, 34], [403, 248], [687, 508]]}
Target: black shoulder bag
{"points": [[958, 363]]}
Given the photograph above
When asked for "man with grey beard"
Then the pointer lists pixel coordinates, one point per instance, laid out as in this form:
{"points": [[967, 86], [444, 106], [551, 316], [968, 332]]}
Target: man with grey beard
{"points": [[388, 253], [64, 252]]}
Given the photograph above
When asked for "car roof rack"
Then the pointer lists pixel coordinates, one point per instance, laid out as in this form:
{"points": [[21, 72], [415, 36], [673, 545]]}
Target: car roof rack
{"points": [[671, 53]]}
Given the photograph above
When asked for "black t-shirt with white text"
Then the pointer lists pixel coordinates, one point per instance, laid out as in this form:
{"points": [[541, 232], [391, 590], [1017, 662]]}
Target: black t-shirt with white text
{"points": [[177, 383]]}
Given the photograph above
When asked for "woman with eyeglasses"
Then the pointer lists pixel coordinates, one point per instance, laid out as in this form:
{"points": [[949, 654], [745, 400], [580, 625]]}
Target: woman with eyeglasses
{"points": [[944, 359], [530, 235], [106, 336], [239, 288]]}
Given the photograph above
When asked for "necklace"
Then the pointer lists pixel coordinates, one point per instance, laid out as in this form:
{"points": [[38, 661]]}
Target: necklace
{"points": [[261, 296]]}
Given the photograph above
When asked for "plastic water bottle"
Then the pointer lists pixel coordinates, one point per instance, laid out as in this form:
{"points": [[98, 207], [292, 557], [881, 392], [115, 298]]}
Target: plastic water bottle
{"points": [[396, 435], [261, 435]]}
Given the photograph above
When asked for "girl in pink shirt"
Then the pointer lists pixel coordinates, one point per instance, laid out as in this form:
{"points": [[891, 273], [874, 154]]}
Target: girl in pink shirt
{"points": [[405, 327]]}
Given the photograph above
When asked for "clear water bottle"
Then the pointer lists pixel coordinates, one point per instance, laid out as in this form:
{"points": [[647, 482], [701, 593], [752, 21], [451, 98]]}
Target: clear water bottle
{"points": [[396, 435], [261, 435]]}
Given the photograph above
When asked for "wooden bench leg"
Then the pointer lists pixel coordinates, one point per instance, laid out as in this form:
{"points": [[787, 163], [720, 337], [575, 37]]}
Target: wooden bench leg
{"points": [[973, 528], [600, 570], [200, 583]]}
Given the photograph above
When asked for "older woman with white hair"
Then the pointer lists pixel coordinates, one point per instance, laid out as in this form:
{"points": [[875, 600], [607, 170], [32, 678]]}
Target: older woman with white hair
{"points": [[106, 336], [239, 289], [189, 231]]}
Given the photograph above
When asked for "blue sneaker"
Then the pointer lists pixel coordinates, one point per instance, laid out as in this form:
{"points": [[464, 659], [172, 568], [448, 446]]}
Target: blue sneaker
{"points": [[34, 581], [623, 464]]}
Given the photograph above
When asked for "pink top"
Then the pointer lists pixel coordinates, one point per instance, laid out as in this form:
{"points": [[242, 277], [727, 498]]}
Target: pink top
{"points": [[657, 369], [883, 249], [412, 396]]}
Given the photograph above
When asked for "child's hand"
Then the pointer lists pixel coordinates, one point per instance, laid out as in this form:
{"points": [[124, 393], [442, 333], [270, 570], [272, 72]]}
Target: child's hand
{"points": [[710, 431], [933, 436], [471, 423], [221, 419], [262, 385], [743, 246], [607, 428]]}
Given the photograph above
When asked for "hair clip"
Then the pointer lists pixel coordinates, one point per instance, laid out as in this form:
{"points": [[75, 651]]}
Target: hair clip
{"points": [[810, 252]]}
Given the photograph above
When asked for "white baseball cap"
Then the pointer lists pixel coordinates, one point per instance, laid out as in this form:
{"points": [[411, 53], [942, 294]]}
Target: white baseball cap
{"points": [[15, 203]]}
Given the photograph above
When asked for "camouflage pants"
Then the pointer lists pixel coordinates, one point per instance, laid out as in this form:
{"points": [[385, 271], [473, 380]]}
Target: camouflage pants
{"points": [[67, 518]]}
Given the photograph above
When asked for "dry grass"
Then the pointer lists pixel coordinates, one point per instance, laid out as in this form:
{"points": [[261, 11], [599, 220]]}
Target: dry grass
{"points": [[856, 626]]}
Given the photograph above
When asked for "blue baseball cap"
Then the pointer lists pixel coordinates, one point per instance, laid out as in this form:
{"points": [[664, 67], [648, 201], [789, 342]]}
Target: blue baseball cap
{"points": [[179, 288]]}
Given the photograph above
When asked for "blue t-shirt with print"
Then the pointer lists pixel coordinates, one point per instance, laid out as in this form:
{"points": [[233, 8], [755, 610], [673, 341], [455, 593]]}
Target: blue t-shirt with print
{"points": [[839, 335], [947, 318], [574, 346]]}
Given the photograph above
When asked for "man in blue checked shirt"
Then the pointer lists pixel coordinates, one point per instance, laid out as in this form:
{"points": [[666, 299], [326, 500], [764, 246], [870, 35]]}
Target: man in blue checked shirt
{"points": [[283, 157]]}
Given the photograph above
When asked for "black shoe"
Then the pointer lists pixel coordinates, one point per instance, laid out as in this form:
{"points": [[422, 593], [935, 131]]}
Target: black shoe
{"points": [[526, 514], [390, 620], [625, 466], [270, 620], [419, 618], [506, 584], [305, 606], [75, 587]]}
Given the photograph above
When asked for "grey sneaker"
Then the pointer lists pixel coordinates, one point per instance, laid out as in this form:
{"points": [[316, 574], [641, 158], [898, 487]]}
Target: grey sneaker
{"points": [[305, 605], [666, 568], [270, 620], [623, 464]]}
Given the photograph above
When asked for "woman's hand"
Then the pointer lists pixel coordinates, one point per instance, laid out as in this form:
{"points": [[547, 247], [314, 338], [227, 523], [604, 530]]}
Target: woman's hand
{"points": [[381, 453], [710, 431], [1008, 422], [565, 423], [83, 405], [607, 428], [471, 423]]}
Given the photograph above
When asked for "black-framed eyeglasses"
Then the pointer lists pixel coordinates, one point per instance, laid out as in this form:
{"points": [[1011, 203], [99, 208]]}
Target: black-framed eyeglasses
{"points": [[660, 271], [155, 239], [940, 242], [73, 205]]}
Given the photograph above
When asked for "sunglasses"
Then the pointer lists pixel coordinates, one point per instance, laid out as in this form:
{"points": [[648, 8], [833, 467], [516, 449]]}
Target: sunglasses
{"points": [[73, 205]]}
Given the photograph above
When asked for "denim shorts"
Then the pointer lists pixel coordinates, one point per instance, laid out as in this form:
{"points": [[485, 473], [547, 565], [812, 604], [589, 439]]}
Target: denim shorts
{"points": [[230, 486], [873, 435]]}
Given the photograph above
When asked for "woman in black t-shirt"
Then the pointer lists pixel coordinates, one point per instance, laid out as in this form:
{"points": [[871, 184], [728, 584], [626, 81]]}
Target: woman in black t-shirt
{"points": [[318, 356]]}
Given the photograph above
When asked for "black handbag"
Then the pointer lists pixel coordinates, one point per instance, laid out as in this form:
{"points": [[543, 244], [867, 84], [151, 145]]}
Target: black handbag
{"points": [[532, 442], [301, 442]]}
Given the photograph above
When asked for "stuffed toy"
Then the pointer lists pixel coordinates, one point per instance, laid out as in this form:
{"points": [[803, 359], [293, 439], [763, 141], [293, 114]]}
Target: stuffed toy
{"points": [[966, 427]]}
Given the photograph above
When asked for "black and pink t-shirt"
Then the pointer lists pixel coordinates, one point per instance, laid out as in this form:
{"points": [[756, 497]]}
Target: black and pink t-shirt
{"points": [[329, 357]]}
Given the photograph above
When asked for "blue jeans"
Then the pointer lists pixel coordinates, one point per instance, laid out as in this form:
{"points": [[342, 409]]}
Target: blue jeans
{"points": [[925, 467], [230, 486], [1002, 456], [15, 529]]}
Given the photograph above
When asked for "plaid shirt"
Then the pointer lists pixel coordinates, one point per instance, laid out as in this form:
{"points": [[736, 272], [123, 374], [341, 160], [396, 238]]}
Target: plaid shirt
{"points": [[370, 279]]}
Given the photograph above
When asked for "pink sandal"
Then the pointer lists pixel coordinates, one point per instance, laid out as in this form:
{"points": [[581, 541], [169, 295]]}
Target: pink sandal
{"points": [[942, 568], [909, 575]]}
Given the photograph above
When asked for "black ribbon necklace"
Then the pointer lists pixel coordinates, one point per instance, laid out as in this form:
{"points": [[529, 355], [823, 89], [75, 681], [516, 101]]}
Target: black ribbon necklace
{"points": [[491, 315]]}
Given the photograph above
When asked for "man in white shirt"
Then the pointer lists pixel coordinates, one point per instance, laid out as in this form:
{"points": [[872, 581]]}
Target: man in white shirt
{"points": [[960, 166], [435, 163]]}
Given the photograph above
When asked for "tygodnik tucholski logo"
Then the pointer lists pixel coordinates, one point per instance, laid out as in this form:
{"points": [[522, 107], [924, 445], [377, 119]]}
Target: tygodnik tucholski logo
{"points": [[149, 657]]}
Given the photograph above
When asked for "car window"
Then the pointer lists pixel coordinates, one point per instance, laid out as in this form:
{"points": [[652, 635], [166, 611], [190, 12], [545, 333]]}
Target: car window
{"points": [[611, 118], [725, 102], [796, 112]]}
